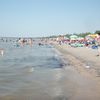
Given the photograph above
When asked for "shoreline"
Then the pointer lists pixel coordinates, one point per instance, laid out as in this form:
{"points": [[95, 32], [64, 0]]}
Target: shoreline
{"points": [[83, 65], [85, 80]]}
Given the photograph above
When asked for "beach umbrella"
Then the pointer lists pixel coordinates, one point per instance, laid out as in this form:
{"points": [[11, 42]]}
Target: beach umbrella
{"points": [[93, 35], [73, 37]]}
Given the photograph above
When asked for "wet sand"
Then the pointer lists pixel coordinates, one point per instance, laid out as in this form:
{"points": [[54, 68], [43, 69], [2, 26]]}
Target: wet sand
{"points": [[84, 59]]}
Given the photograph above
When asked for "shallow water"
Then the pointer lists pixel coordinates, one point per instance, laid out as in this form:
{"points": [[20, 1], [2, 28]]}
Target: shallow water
{"points": [[37, 73], [22, 66]]}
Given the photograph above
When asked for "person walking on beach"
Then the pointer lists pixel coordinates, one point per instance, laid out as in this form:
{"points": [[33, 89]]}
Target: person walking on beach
{"points": [[98, 42]]}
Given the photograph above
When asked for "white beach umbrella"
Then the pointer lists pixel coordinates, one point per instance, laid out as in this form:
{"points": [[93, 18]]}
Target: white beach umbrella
{"points": [[73, 37]]}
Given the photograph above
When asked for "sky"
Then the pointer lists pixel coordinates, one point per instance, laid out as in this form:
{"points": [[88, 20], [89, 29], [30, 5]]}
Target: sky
{"points": [[36, 18]]}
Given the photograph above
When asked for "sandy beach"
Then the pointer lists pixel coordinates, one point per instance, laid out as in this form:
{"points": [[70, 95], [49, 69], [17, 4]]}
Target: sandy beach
{"points": [[82, 58], [85, 62]]}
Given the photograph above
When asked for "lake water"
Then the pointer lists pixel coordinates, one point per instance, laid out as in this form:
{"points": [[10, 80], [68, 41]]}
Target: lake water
{"points": [[35, 69]]}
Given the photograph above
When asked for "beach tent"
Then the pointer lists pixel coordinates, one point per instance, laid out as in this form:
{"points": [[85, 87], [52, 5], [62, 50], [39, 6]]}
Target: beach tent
{"points": [[73, 37]]}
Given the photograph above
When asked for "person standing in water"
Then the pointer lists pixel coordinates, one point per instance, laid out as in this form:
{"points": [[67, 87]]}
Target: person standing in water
{"points": [[30, 42], [21, 42]]}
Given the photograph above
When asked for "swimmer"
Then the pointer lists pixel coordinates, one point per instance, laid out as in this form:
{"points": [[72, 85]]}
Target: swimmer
{"points": [[21, 42], [40, 44], [1, 52]]}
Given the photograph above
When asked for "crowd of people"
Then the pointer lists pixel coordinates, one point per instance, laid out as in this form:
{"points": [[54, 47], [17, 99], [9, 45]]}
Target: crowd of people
{"points": [[16, 42], [94, 43], [22, 42]]}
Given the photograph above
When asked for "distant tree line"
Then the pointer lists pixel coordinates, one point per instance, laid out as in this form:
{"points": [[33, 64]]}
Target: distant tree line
{"points": [[82, 34], [97, 32], [78, 34]]}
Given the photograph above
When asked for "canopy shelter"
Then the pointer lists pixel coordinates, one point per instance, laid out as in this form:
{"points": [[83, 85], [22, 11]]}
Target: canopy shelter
{"points": [[73, 37], [93, 35]]}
